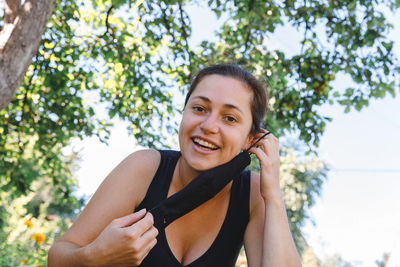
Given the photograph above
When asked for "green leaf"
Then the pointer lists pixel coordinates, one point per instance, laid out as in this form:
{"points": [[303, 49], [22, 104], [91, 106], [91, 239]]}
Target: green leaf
{"points": [[118, 3]]}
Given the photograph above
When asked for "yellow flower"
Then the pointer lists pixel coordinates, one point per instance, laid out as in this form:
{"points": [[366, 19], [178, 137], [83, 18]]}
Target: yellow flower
{"points": [[39, 238], [23, 261], [29, 224]]}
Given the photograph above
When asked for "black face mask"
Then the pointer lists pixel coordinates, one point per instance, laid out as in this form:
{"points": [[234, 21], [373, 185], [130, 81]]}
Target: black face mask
{"points": [[204, 187]]}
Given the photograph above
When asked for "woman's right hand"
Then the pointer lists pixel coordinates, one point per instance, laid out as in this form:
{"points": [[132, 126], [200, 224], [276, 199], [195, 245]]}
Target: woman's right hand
{"points": [[125, 241]]}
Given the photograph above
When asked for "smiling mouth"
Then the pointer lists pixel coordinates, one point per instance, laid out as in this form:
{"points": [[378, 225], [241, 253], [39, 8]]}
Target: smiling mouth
{"points": [[204, 144]]}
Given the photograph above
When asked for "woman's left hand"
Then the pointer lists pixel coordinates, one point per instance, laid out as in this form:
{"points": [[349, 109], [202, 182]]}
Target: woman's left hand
{"points": [[267, 152]]}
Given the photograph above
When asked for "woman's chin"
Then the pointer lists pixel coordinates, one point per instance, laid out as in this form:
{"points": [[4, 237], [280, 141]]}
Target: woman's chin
{"points": [[201, 163]]}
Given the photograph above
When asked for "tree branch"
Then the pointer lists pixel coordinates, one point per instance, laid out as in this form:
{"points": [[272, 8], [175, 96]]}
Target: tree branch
{"points": [[108, 23], [185, 36], [166, 24], [248, 28]]}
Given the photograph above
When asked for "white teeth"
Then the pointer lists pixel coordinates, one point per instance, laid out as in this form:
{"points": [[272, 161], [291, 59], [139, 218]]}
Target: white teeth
{"points": [[204, 143]]}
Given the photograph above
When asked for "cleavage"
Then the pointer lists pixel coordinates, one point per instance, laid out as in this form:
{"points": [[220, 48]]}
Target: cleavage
{"points": [[192, 235]]}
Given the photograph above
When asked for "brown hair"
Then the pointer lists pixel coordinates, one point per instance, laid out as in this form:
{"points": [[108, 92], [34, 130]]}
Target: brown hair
{"points": [[259, 102]]}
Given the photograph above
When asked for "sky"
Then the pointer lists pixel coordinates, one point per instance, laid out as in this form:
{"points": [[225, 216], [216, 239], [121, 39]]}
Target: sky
{"points": [[358, 213]]}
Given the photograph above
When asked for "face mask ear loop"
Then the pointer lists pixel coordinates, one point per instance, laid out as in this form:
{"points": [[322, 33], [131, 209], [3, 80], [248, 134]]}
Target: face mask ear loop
{"points": [[257, 141]]}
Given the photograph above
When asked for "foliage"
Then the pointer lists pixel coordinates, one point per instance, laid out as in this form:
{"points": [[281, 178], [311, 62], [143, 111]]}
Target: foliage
{"points": [[30, 225], [301, 183]]}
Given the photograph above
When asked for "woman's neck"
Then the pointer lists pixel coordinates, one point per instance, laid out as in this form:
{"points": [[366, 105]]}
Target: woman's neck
{"points": [[184, 174]]}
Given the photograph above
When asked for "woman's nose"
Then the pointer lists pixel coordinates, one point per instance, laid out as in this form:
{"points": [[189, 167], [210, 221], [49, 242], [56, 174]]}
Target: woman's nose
{"points": [[210, 124]]}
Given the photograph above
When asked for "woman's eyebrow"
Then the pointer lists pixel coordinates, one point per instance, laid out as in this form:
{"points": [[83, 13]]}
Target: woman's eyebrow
{"points": [[227, 105]]}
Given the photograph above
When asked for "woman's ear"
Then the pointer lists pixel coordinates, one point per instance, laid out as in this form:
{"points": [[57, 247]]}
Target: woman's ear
{"points": [[249, 142]]}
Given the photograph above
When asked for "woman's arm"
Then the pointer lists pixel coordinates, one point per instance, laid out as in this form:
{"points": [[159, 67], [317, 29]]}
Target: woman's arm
{"points": [[106, 232], [268, 240]]}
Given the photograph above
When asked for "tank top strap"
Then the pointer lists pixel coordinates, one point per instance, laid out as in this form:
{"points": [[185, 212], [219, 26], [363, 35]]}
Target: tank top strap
{"points": [[158, 189], [239, 213], [241, 193]]}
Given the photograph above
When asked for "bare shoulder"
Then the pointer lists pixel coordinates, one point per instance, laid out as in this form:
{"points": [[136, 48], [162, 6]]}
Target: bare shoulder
{"points": [[133, 175], [137, 171], [118, 195], [149, 156], [143, 161]]}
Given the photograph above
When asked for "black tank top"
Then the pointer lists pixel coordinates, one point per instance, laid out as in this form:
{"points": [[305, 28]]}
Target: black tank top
{"points": [[226, 247]]}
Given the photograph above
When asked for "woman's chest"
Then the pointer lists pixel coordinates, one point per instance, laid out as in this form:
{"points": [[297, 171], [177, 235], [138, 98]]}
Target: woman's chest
{"points": [[192, 235]]}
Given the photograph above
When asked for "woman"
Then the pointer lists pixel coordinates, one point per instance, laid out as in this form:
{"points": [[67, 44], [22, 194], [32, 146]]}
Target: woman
{"points": [[224, 109]]}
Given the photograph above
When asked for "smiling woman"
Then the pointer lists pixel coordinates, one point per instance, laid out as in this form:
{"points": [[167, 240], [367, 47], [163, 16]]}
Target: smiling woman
{"points": [[223, 112], [216, 122]]}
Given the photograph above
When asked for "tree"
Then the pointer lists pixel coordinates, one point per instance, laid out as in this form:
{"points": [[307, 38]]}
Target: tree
{"points": [[19, 39], [131, 57]]}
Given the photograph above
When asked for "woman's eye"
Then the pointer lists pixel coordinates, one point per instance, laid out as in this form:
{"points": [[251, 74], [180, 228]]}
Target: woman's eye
{"points": [[198, 108], [230, 119]]}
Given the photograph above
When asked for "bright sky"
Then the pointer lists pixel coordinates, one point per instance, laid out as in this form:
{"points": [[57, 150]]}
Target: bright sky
{"points": [[358, 213]]}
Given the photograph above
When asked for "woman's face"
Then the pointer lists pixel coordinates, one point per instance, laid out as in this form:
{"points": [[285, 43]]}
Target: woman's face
{"points": [[216, 122]]}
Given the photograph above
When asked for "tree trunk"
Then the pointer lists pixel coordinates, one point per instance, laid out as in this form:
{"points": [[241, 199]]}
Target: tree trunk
{"points": [[19, 40]]}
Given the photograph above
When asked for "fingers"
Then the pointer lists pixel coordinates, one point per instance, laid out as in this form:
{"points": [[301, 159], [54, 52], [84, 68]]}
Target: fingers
{"points": [[130, 219], [256, 139], [150, 234], [144, 235], [269, 144], [145, 244], [140, 227], [127, 239], [148, 240]]}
